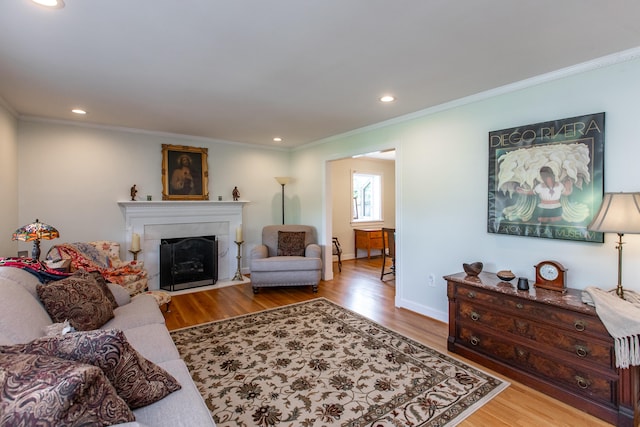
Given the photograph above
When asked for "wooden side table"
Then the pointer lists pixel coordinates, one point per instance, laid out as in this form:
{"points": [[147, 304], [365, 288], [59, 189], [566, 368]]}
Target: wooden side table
{"points": [[368, 238]]}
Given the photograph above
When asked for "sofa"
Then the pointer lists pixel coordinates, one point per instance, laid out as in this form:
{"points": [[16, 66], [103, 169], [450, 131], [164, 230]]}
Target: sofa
{"points": [[25, 319], [288, 256]]}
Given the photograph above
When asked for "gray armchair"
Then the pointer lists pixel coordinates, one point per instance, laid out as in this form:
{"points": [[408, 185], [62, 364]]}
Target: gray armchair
{"points": [[288, 256]]}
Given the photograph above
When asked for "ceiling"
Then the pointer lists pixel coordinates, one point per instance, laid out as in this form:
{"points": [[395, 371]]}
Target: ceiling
{"points": [[249, 70]]}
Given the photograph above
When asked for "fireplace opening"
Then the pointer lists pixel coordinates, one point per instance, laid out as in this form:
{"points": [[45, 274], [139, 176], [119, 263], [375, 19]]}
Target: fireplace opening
{"points": [[188, 262]]}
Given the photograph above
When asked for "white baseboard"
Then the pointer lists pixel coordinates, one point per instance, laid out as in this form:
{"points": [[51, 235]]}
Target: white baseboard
{"points": [[422, 309]]}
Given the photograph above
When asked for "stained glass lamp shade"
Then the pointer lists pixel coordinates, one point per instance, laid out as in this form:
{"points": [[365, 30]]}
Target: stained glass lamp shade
{"points": [[35, 232]]}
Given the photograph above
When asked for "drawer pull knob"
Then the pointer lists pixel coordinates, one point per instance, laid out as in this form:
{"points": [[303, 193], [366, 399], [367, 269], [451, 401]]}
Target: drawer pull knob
{"points": [[475, 316], [522, 327], [582, 382], [521, 353], [475, 340], [519, 306], [471, 294], [582, 351], [579, 325]]}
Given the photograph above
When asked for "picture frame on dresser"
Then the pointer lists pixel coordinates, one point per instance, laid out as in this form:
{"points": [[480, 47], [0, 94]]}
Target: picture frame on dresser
{"points": [[547, 179], [185, 173]]}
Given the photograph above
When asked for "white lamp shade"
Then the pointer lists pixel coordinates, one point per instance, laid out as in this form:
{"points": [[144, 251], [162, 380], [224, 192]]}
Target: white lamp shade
{"points": [[619, 213], [283, 180]]}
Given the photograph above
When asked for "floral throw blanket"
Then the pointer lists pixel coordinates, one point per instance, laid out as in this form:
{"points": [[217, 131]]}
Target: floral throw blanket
{"points": [[85, 256], [37, 268], [84, 252]]}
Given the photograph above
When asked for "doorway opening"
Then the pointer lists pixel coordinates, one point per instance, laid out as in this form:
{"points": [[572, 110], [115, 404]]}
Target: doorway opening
{"points": [[341, 198]]}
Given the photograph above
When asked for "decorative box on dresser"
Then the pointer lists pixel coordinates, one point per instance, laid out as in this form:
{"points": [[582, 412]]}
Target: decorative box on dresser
{"points": [[550, 341]]}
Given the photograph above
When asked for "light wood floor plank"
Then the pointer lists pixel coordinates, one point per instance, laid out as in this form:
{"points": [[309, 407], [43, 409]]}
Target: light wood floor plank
{"points": [[359, 288]]}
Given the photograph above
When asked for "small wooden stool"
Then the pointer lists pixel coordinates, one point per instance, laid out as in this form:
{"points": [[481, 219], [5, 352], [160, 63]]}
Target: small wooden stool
{"points": [[162, 297]]}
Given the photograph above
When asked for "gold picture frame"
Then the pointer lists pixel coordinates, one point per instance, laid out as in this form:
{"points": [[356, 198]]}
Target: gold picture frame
{"points": [[185, 173]]}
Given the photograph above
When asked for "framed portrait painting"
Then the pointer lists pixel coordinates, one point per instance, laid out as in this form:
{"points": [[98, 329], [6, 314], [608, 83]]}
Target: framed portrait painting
{"points": [[547, 179], [185, 173]]}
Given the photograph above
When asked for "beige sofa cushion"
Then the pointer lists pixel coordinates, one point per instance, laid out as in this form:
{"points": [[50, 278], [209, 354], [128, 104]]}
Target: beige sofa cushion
{"points": [[23, 317], [21, 277]]}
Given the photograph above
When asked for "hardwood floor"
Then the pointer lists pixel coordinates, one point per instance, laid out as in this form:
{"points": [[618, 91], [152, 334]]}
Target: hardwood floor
{"points": [[359, 288]]}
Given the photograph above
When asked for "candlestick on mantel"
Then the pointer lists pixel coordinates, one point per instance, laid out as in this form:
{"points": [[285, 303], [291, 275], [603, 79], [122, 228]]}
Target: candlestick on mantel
{"points": [[135, 242], [135, 254]]}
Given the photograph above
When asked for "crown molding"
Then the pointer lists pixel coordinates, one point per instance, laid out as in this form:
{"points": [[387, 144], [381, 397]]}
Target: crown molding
{"points": [[598, 63], [4, 104], [202, 139]]}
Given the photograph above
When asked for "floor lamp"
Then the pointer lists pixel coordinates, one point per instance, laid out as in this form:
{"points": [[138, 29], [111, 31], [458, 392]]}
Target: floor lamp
{"points": [[619, 213], [283, 180]]}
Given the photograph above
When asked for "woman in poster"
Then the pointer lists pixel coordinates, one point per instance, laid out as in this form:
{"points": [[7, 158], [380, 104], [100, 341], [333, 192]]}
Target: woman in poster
{"points": [[549, 191]]}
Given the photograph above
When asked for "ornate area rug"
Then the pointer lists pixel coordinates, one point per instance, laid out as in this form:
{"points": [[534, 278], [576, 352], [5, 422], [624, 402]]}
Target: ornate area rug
{"points": [[318, 364]]}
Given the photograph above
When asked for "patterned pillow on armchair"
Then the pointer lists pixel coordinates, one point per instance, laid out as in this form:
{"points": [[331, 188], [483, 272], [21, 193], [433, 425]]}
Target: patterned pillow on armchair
{"points": [[291, 243]]}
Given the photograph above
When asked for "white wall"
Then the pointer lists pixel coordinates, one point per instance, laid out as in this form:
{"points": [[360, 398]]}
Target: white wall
{"points": [[8, 181], [82, 172], [442, 183], [342, 196]]}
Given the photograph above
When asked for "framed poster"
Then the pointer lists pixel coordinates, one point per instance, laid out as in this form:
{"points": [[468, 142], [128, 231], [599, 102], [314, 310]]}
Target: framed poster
{"points": [[185, 174], [547, 179]]}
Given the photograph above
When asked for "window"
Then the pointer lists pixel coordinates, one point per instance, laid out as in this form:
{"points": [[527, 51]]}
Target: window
{"points": [[367, 196]]}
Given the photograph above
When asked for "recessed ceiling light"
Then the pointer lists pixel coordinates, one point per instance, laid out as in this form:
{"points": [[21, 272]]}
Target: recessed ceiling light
{"points": [[277, 139], [387, 98], [78, 111], [54, 4]]}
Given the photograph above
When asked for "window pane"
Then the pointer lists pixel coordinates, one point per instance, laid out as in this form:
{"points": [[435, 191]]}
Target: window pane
{"points": [[367, 197]]}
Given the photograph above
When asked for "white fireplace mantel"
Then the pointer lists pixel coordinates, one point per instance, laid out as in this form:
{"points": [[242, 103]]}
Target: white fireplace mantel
{"points": [[155, 220]]}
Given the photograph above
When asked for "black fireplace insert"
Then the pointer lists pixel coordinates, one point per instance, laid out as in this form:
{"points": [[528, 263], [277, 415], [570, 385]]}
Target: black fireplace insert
{"points": [[188, 262]]}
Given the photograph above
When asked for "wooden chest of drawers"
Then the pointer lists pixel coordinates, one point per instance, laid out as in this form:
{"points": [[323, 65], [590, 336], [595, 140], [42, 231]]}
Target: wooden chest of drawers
{"points": [[368, 238], [546, 340]]}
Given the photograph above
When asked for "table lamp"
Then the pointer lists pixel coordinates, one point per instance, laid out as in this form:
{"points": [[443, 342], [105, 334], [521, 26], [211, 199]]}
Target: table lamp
{"points": [[35, 232], [619, 213]]}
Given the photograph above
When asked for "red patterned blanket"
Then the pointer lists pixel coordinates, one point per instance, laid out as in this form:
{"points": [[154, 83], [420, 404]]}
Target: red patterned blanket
{"points": [[87, 257], [37, 268]]}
